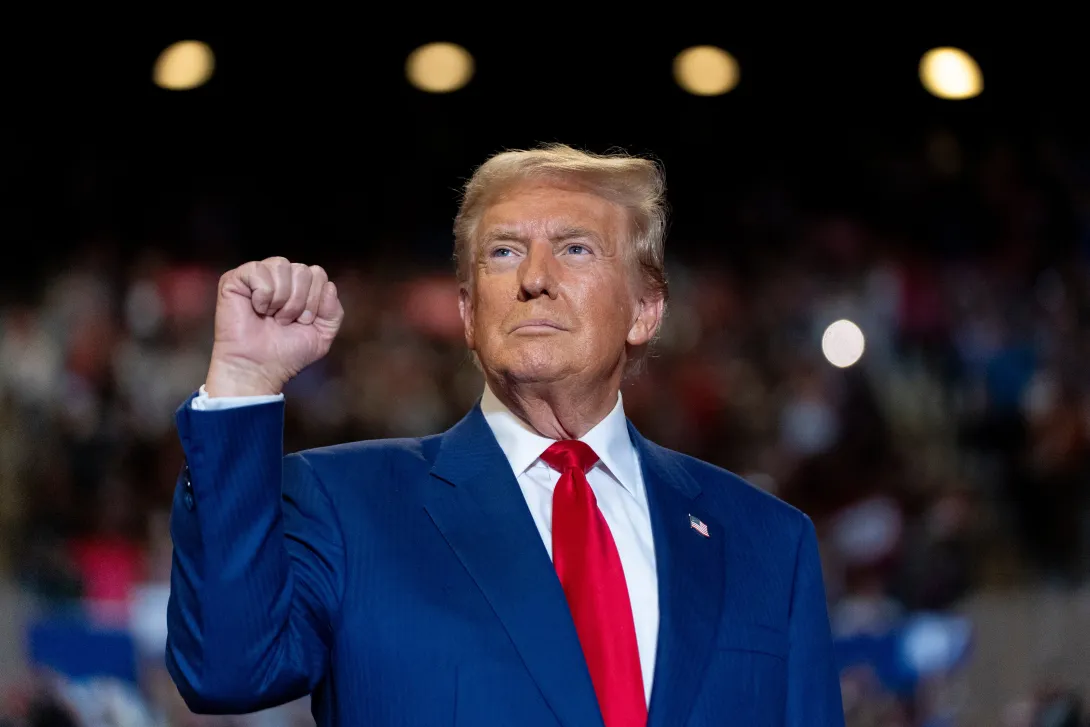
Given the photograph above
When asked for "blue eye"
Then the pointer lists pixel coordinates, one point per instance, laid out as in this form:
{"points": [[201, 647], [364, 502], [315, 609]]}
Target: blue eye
{"points": [[577, 249], [501, 252]]}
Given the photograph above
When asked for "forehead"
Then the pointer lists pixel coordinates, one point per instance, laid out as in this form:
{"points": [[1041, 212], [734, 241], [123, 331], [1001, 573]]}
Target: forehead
{"points": [[548, 208]]}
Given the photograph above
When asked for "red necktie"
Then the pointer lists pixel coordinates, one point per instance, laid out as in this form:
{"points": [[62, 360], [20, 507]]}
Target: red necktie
{"points": [[590, 571]]}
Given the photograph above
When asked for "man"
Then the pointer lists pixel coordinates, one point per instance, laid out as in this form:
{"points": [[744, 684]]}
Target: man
{"points": [[540, 563]]}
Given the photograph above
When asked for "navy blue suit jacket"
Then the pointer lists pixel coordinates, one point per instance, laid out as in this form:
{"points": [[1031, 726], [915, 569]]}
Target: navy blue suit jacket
{"points": [[403, 582]]}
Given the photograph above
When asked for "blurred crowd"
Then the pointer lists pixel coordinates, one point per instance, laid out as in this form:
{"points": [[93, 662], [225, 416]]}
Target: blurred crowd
{"points": [[953, 456]]}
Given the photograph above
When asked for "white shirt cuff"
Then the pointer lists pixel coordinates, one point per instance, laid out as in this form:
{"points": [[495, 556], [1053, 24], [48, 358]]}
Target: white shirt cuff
{"points": [[203, 402]]}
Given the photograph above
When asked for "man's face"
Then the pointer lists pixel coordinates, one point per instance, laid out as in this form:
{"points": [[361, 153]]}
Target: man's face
{"points": [[554, 294]]}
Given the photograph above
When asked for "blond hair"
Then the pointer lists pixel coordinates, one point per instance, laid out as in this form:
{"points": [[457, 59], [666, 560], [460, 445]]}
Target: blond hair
{"points": [[636, 184]]}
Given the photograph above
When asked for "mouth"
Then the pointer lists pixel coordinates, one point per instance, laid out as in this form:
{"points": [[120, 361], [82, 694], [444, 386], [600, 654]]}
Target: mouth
{"points": [[537, 325]]}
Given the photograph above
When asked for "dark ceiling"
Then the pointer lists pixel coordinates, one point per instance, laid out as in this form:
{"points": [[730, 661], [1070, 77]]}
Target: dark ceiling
{"points": [[309, 134]]}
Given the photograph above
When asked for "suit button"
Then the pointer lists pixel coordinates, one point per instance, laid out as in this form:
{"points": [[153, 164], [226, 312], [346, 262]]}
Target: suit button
{"points": [[187, 499]]}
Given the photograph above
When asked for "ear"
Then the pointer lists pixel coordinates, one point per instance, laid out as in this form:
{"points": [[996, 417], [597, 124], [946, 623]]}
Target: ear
{"points": [[648, 318], [465, 310]]}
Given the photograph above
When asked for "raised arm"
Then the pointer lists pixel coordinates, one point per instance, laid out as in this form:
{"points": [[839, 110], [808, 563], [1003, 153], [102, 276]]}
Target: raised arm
{"points": [[258, 565]]}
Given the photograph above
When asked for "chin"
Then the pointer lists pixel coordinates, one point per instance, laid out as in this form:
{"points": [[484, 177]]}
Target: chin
{"points": [[536, 362], [533, 376]]}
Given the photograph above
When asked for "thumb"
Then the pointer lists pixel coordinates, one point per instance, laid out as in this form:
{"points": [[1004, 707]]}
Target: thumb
{"points": [[330, 311]]}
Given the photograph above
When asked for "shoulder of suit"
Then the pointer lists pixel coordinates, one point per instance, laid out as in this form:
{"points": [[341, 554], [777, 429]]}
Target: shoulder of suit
{"points": [[371, 453]]}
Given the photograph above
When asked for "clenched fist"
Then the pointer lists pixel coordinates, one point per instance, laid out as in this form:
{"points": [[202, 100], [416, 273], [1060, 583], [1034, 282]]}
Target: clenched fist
{"points": [[273, 319]]}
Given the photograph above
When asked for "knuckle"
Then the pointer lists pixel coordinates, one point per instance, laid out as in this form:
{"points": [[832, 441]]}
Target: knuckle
{"points": [[279, 289]]}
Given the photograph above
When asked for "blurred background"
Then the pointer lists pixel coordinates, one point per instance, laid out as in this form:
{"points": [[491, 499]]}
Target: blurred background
{"points": [[880, 271]]}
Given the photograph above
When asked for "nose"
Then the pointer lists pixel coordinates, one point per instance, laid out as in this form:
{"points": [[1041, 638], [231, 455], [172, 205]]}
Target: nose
{"points": [[538, 274]]}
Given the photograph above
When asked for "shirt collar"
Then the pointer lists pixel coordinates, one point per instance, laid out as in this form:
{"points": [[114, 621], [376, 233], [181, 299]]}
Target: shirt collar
{"points": [[523, 446]]}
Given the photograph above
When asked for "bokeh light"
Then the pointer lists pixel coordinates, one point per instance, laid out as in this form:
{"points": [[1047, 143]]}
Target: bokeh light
{"points": [[951, 73], [184, 65], [705, 70], [439, 67], [842, 343]]}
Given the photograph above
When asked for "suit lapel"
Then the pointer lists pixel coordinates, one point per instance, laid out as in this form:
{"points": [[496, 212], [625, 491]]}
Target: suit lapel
{"points": [[482, 513], [690, 579]]}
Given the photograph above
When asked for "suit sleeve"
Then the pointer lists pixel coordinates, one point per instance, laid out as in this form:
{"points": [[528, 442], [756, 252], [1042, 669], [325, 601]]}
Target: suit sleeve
{"points": [[813, 697], [258, 565]]}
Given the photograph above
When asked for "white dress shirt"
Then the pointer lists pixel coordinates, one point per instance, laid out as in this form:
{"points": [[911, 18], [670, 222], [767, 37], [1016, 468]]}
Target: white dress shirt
{"points": [[616, 480]]}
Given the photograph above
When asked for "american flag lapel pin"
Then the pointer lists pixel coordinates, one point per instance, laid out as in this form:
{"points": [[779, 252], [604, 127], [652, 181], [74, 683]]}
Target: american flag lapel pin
{"points": [[698, 525]]}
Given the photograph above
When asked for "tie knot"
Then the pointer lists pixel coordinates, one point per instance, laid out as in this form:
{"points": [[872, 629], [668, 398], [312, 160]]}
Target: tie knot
{"points": [[569, 454]]}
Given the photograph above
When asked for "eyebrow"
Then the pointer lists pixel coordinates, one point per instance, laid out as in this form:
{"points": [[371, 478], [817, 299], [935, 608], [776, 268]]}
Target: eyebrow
{"points": [[565, 233], [569, 233]]}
